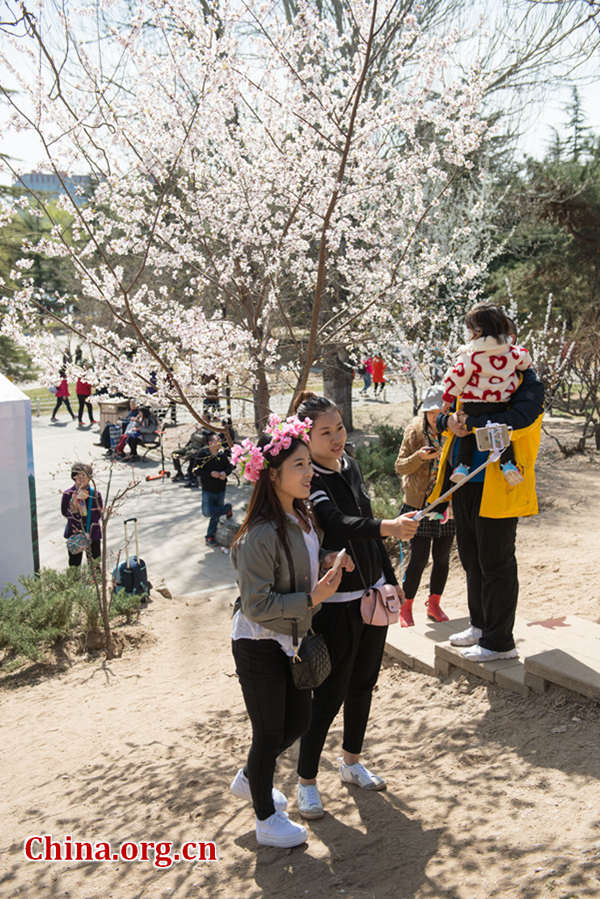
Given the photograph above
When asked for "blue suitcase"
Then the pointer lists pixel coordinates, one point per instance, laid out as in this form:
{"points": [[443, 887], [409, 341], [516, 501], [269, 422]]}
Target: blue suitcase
{"points": [[131, 575]]}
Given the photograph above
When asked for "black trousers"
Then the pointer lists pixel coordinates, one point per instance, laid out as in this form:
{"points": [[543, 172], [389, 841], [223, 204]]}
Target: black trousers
{"points": [[356, 650], [486, 547], [278, 712], [75, 558], [84, 403], [419, 556], [59, 401]]}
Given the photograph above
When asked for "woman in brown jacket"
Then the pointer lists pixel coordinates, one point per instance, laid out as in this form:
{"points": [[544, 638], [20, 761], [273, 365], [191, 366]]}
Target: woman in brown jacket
{"points": [[417, 465]]}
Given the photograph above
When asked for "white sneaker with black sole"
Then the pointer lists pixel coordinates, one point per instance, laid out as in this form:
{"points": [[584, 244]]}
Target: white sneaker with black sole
{"points": [[279, 831], [360, 776], [481, 654], [468, 637], [309, 802], [241, 788]]}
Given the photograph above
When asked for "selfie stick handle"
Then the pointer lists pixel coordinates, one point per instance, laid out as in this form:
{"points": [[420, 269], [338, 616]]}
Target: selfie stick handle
{"points": [[493, 457]]}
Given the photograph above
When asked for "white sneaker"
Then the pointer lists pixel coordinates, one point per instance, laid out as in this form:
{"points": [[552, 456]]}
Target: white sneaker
{"points": [[309, 802], [240, 787], [481, 654], [279, 831], [360, 776], [468, 637]]}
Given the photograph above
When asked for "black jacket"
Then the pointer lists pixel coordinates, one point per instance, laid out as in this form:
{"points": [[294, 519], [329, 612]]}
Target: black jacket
{"points": [[206, 462], [342, 508]]}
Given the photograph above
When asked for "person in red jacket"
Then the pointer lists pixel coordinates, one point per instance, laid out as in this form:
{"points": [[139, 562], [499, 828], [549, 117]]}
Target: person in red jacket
{"points": [[378, 374], [62, 396], [84, 391]]}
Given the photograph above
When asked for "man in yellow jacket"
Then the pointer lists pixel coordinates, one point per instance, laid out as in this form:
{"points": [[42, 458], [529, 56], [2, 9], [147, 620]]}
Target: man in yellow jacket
{"points": [[486, 511]]}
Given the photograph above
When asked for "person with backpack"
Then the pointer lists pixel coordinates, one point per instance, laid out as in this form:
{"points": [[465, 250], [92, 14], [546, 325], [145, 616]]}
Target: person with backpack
{"points": [[276, 554], [84, 390]]}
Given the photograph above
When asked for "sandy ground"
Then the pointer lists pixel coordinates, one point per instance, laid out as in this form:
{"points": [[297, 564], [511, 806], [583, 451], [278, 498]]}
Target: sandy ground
{"points": [[490, 794]]}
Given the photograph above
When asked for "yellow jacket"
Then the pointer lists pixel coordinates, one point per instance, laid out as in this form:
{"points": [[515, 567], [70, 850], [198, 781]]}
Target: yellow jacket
{"points": [[499, 499]]}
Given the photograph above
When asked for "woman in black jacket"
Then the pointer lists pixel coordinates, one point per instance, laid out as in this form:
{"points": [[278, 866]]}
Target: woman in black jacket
{"points": [[342, 508]]}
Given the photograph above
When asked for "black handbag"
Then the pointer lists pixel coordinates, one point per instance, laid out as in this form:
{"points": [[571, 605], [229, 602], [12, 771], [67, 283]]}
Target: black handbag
{"points": [[310, 664]]}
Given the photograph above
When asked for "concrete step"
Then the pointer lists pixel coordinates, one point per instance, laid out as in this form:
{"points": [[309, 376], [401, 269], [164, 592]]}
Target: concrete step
{"points": [[563, 651]]}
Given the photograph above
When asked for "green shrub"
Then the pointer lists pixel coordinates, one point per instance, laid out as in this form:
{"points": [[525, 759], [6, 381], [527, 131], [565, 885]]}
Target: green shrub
{"points": [[43, 609], [376, 459]]}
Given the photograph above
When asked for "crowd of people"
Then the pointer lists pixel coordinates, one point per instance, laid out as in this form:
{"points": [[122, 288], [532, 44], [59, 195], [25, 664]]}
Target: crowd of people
{"points": [[310, 551]]}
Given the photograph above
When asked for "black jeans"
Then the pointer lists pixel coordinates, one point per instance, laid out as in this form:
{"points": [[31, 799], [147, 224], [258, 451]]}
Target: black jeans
{"points": [[356, 650], [278, 712], [59, 401], [419, 556], [84, 403], [486, 547], [75, 558]]}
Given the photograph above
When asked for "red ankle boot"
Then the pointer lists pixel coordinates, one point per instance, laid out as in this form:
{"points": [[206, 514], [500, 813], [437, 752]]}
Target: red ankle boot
{"points": [[433, 608], [406, 616]]}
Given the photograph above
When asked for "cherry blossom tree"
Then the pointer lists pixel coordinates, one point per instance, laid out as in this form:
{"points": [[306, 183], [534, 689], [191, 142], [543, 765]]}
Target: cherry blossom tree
{"points": [[252, 177]]}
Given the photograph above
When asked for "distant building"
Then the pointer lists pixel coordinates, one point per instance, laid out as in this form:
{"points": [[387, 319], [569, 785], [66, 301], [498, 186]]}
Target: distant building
{"points": [[76, 186]]}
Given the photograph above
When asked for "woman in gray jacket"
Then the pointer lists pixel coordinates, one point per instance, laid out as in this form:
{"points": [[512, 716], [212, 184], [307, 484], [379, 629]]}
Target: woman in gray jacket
{"points": [[276, 554]]}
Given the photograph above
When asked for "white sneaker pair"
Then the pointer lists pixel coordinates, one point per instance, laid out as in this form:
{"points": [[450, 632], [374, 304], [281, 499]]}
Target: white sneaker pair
{"points": [[310, 805], [469, 638]]}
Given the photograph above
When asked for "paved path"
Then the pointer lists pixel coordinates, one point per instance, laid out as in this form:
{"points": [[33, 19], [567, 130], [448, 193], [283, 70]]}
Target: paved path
{"points": [[172, 527]]}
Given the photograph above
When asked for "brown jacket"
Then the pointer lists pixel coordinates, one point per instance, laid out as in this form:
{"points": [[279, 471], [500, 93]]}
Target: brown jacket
{"points": [[414, 471]]}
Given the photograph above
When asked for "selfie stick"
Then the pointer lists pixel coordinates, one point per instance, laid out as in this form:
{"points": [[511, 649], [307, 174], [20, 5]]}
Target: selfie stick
{"points": [[493, 457], [498, 441]]}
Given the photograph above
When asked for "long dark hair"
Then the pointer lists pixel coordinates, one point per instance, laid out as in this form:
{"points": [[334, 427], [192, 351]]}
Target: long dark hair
{"points": [[264, 503], [309, 405]]}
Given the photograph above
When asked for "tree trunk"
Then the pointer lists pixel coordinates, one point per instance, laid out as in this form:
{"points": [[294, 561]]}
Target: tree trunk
{"points": [[337, 381], [262, 398]]}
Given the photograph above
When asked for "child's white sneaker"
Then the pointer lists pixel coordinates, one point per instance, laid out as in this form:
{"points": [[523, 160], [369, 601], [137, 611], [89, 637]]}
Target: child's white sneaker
{"points": [[511, 473], [241, 788], [360, 776], [279, 831]]}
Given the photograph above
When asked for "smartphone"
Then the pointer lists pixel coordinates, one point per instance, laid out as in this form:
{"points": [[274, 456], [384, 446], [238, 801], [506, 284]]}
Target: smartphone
{"points": [[338, 560]]}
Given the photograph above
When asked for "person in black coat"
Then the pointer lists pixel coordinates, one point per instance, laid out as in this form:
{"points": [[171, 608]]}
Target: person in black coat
{"points": [[213, 466], [342, 508]]}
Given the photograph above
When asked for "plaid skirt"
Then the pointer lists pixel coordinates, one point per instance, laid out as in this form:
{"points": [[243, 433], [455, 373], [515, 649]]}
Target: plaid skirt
{"points": [[429, 527]]}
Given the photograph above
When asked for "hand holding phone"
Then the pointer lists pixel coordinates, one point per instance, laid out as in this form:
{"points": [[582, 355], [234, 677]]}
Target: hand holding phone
{"points": [[337, 562]]}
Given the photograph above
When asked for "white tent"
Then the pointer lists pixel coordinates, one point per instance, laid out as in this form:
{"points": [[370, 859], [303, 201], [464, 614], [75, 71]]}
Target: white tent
{"points": [[19, 552]]}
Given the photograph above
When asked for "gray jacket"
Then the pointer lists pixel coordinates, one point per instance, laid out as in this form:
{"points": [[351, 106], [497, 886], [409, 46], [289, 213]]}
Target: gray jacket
{"points": [[265, 580]]}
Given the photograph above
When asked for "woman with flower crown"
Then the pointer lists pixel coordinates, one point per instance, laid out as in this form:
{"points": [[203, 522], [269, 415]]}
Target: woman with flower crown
{"points": [[276, 553]]}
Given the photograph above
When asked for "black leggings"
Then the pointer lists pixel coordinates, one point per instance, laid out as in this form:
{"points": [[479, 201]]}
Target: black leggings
{"points": [[75, 558], [59, 401], [356, 650], [419, 556], [84, 403], [278, 712]]}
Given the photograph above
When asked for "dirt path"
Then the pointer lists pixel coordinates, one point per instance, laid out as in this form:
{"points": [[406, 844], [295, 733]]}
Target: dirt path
{"points": [[489, 794]]}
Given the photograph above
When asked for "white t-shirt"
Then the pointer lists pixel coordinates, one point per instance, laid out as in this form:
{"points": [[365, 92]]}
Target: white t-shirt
{"points": [[353, 594], [245, 629]]}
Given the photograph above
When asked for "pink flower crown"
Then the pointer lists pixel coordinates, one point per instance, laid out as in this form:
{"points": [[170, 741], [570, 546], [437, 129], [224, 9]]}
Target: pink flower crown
{"points": [[252, 458]]}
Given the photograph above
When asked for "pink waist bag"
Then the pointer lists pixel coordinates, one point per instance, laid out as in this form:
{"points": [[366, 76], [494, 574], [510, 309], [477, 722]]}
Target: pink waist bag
{"points": [[380, 605]]}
